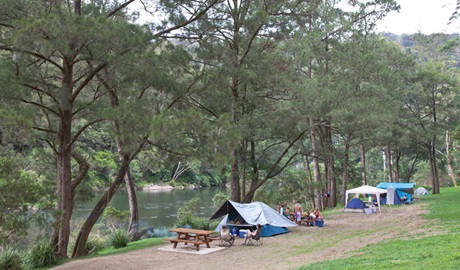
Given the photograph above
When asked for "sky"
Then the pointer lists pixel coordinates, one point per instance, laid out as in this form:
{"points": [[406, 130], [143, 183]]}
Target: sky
{"points": [[426, 16]]}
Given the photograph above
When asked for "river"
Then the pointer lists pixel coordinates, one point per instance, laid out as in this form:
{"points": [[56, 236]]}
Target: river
{"points": [[157, 208]]}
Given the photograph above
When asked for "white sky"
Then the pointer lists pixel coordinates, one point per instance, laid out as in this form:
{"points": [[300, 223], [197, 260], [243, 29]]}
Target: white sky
{"points": [[426, 16]]}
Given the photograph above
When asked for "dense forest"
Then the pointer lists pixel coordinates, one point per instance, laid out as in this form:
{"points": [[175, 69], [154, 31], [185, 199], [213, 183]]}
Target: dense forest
{"points": [[278, 100]]}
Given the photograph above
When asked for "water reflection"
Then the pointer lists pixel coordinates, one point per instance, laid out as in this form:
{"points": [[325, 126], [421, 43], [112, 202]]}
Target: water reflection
{"points": [[158, 208]]}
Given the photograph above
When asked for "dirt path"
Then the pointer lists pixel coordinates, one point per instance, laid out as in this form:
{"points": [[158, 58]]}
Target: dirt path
{"points": [[342, 234]]}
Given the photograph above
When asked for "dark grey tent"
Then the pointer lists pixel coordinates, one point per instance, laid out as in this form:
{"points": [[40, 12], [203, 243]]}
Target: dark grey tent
{"points": [[251, 214]]}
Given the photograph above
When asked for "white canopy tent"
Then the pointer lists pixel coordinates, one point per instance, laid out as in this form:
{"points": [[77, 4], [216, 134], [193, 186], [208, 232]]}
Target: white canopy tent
{"points": [[366, 190]]}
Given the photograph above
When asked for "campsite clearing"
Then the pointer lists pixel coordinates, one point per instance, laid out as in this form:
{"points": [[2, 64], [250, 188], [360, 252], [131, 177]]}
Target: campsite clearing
{"points": [[342, 236]]}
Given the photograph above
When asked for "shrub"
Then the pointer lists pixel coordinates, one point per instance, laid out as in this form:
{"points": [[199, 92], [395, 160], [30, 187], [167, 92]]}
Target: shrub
{"points": [[41, 255], [94, 244], [10, 259], [119, 238]]}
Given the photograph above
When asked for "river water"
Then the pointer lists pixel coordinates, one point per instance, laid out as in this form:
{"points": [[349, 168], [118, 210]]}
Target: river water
{"points": [[157, 208]]}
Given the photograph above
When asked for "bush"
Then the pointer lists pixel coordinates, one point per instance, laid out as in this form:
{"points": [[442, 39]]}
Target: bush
{"points": [[193, 222], [94, 244], [119, 238], [41, 255], [10, 259]]}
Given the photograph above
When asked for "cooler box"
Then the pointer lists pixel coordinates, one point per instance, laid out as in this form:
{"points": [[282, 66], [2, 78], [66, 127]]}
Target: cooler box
{"points": [[319, 223], [242, 233], [368, 210]]}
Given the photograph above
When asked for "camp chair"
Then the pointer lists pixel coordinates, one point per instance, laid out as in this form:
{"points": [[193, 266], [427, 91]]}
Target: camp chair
{"points": [[226, 237], [255, 240]]}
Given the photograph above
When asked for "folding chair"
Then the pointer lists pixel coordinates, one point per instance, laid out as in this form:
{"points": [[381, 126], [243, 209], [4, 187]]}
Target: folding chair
{"points": [[226, 237], [256, 240]]}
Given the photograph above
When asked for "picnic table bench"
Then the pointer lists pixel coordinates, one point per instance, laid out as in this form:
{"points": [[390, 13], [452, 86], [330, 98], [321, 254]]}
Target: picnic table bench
{"points": [[191, 236]]}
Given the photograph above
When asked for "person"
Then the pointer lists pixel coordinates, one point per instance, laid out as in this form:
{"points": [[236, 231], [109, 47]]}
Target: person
{"points": [[288, 214], [404, 198], [316, 215], [308, 219], [226, 237], [298, 213], [278, 207], [252, 234], [282, 210]]}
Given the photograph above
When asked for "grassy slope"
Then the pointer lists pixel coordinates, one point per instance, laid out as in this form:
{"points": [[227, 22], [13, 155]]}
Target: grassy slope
{"points": [[438, 248]]}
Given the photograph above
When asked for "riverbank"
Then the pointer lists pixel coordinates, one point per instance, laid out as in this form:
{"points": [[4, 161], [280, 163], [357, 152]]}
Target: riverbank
{"points": [[343, 235], [155, 187]]}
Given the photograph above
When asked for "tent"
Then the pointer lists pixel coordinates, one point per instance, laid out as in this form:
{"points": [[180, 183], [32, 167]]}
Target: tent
{"points": [[355, 205], [366, 190], [421, 191], [401, 188], [251, 214], [392, 197]]}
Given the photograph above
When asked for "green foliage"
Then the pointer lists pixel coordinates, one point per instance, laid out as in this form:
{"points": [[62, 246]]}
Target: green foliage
{"points": [[187, 215], [22, 195], [41, 255], [10, 259], [103, 169], [292, 185], [114, 218], [219, 199], [119, 238]]}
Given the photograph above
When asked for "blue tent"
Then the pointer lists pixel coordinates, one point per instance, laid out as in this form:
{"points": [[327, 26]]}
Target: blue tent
{"points": [[250, 214], [356, 203], [401, 189]]}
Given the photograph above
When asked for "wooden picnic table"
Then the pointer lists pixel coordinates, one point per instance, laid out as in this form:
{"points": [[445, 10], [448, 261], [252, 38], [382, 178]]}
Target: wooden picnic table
{"points": [[191, 236]]}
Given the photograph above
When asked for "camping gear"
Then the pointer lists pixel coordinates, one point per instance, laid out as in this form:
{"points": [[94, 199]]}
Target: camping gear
{"points": [[421, 191], [226, 238], [366, 190], [401, 189], [250, 214], [392, 197], [355, 205]]}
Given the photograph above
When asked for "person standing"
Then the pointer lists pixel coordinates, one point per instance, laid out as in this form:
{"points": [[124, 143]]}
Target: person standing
{"points": [[298, 213], [278, 207]]}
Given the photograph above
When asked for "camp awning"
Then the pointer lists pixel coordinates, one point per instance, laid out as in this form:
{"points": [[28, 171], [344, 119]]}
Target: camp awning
{"points": [[406, 187], [366, 190]]}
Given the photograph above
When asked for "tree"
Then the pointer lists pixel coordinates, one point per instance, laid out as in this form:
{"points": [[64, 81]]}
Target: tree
{"points": [[431, 100]]}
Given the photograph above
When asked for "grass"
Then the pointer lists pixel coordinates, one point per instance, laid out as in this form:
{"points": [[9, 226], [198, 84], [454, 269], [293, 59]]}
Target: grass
{"points": [[439, 248], [132, 246]]}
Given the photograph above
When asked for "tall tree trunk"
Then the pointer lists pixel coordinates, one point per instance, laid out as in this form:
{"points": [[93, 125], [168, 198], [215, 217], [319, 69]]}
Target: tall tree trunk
{"points": [[235, 192], [448, 159], [255, 175], [64, 169], [433, 167], [363, 165], [397, 156], [332, 185], [388, 161], [316, 170], [80, 242], [133, 207], [345, 168], [243, 168]]}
